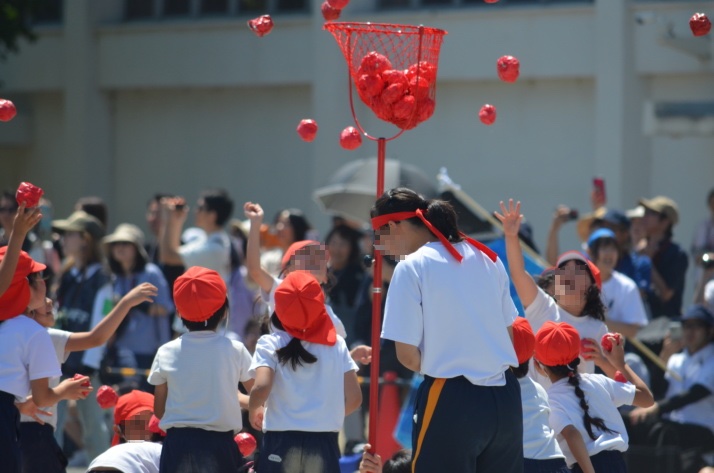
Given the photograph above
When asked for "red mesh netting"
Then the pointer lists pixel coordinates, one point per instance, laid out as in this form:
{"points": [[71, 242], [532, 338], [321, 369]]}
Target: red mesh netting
{"points": [[393, 67]]}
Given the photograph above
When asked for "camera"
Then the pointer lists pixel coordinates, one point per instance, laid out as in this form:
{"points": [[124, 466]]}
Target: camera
{"points": [[180, 206], [573, 214], [707, 261]]}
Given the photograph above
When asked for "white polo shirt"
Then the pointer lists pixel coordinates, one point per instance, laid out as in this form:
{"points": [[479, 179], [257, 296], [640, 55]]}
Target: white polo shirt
{"points": [[456, 313], [604, 396], [544, 308], [310, 398], [59, 342], [269, 299], [202, 370], [622, 298], [693, 369], [538, 438], [26, 354], [212, 251], [130, 457]]}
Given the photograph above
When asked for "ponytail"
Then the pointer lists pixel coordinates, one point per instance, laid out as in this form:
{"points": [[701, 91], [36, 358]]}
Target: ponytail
{"points": [[571, 372], [439, 213], [294, 352]]}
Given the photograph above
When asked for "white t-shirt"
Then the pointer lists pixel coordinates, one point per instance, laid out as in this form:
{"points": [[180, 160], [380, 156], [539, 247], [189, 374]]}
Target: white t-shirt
{"points": [[310, 398], [212, 251], [604, 396], [59, 342], [623, 301], [270, 300], [544, 308], [538, 438], [130, 457], [202, 370], [26, 354], [693, 369], [457, 314]]}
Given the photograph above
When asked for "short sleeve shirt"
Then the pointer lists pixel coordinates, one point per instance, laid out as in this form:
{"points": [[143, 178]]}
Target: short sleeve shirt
{"points": [[212, 251], [539, 441], [693, 369], [131, 457], [623, 301]]}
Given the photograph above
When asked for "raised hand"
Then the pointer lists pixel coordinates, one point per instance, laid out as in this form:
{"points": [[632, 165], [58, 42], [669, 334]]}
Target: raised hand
{"points": [[253, 212], [25, 219], [510, 217], [144, 292]]}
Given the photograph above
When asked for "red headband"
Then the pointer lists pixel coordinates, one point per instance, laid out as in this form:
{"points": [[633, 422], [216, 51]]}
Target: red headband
{"points": [[382, 220]]}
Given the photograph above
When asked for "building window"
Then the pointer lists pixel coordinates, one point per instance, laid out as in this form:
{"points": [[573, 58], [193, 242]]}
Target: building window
{"points": [[395, 4], [47, 12], [157, 9]]}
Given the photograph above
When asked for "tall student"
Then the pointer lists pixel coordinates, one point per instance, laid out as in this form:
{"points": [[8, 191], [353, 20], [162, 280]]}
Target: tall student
{"points": [[305, 383], [27, 360], [577, 299], [39, 446], [196, 380], [584, 412]]}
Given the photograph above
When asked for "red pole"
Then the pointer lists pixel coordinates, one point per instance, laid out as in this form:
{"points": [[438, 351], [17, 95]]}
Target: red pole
{"points": [[376, 311]]}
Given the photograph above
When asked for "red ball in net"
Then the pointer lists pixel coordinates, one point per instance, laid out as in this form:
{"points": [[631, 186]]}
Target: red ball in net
{"points": [[28, 193], [307, 129], [350, 138], [405, 108], [619, 377], [508, 68], [106, 397], [374, 63], [261, 25], [425, 109], [329, 13], [396, 85], [338, 4], [7, 110], [491, 1], [246, 443], [700, 24], [419, 88], [369, 85], [424, 69], [381, 109], [487, 114]]}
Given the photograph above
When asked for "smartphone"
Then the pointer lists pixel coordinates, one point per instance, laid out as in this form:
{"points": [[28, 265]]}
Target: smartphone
{"points": [[599, 186], [675, 331]]}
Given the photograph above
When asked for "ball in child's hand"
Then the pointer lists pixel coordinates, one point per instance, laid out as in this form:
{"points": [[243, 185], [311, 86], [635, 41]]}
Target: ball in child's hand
{"points": [[606, 343], [620, 377], [246, 443], [28, 193]]}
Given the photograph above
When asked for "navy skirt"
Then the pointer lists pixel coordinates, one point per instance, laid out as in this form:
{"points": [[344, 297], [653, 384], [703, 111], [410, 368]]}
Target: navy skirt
{"points": [[10, 454], [40, 451], [294, 451], [193, 450]]}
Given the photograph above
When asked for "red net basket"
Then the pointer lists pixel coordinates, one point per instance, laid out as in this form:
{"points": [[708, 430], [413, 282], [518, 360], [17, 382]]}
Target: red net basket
{"points": [[393, 68]]}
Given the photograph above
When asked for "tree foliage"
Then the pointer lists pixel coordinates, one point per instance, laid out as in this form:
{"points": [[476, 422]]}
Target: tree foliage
{"points": [[17, 18]]}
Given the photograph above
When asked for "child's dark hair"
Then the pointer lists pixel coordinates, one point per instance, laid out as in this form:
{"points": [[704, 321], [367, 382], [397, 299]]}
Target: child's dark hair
{"points": [[217, 200], [293, 352], [571, 372], [211, 323], [401, 462], [601, 243], [439, 213], [521, 371], [298, 221]]}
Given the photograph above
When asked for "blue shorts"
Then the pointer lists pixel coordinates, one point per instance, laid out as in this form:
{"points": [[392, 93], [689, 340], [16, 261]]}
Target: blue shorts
{"points": [[40, 451], [10, 454], [553, 465], [466, 428], [193, 450], [609, 461], [299, 452]]}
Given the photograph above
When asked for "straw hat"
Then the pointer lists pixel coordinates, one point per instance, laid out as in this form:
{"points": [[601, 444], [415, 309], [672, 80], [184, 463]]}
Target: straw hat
{"points": [[126, 233]]}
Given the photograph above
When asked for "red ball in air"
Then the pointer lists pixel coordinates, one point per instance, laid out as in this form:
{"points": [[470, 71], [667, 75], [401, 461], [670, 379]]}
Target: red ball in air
{"points": [[307, 129], [338, 4], [700, 24], [329, 13], [487, 114], [508, 68], [261, 25], [350, 138], [7, 110], [106, 397]]}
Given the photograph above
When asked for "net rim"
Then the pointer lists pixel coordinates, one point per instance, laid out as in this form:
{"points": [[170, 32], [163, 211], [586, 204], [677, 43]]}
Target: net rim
{"points": [[384, 28]]}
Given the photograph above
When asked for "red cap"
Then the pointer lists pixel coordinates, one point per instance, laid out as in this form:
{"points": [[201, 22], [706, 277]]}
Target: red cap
{"points": [[578, 256], [154, 426], [300, 307], [523, 339], [199, 293], [15, 299], [294, 248], [557, 344], [129, 405]]}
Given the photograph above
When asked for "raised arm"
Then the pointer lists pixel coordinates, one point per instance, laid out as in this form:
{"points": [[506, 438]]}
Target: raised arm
{"points": [[254, 212], [24, 221], [174, 213], [552, 250], [616, 357], [523, 282]]}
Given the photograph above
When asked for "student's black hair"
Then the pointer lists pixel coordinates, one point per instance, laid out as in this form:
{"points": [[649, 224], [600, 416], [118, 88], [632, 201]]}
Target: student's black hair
{"points": [[298, 221], [7, 195], [601, 243], [545, 280], [94, 206], [352, 236], [293, 353], [211, 323], [439, 213], [115, 266], [521, 371], [401, 462], [570, 371], [594, 306], [217, 200], [157, 198]]}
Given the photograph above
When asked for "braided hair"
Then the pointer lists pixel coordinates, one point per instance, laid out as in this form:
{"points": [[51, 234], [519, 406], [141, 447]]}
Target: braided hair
{"points": [[571, 371]]}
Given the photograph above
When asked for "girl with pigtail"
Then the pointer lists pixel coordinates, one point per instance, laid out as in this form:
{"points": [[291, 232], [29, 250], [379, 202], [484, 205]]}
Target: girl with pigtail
{"points": [[583, 406]]}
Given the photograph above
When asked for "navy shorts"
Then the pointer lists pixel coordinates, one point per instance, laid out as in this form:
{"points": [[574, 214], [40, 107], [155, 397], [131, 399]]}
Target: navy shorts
{"points": [[553, 465], [609, 461], [10, 454], [40, 451], [193, 450], [299, 452], [466, 428]]}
